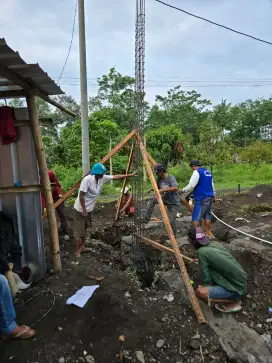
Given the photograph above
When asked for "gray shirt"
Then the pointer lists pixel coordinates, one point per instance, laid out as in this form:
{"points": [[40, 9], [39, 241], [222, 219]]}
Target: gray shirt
{"points": [[169, 198]]}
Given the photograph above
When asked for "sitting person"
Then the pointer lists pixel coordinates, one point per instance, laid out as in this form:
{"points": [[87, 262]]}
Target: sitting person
{"points": [[127, 206], [8, 325], [225, 281]]}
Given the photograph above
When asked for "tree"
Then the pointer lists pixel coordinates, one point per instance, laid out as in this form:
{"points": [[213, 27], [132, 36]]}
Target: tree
{"points": [[116, 94], [184, 109], [166, 144], [257, 154], [213, 148], [61, 117]]}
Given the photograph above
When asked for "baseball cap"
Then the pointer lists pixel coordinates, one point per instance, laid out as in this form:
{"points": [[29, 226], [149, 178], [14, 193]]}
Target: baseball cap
{"points": [[195, 163], [201, 238], [158, 168]]}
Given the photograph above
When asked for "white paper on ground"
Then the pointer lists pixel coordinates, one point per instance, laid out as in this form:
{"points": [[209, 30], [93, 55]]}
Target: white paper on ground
{"points": [[82, 296]]}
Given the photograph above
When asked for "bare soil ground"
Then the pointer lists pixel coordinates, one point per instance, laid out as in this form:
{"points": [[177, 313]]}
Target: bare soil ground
{"points": [[122, 307]]}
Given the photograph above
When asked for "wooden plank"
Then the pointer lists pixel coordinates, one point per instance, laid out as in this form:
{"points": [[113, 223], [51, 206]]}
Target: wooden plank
{"points": [[39, 149], [161, 247], [125, 180], [118, 147], [43, 122], [183, 270], [21, 189], [103, 161]]}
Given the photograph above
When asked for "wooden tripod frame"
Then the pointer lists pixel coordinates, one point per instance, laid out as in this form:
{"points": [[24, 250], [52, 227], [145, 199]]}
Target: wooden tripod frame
{"points": [[148, 161]]}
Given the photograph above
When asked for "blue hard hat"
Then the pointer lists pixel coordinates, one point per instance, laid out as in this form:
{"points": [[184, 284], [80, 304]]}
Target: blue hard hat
{"points": [[98, 169]]}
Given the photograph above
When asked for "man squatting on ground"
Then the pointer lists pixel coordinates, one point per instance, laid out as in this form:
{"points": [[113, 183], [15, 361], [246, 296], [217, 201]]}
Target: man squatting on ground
{"points": [[202, 184], [168, 188], [89, 190], [8, 325], [225, 281]]}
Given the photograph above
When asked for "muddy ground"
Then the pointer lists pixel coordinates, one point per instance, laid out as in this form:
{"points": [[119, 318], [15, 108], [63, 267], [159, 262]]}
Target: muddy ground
{"points": [[164, 331]]}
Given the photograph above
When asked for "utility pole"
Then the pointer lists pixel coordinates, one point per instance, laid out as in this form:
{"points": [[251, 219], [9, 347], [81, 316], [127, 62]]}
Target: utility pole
{"points": [[83, 89]]}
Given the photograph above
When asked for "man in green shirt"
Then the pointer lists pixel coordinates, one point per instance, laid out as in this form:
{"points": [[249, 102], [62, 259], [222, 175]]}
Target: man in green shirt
{"points": [[225, 281]]}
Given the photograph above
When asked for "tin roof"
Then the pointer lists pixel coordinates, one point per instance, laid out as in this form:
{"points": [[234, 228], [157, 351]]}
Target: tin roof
{"points": [[32, 73]]}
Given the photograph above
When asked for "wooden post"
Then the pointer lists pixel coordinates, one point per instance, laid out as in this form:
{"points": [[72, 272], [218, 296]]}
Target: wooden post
{"points": [[39, 148], [183, 270], [144, 169], [125, 180], [111, 169], [103, 161], [160, 247]]}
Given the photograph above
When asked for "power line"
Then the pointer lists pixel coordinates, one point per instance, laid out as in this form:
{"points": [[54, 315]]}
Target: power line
{"points": [[214, 23], [70, 47], [188, 80], [234, 85]]}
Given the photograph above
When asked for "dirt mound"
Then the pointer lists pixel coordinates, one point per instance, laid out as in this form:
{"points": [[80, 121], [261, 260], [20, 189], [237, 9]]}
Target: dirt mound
{"points": [[265, 190]]}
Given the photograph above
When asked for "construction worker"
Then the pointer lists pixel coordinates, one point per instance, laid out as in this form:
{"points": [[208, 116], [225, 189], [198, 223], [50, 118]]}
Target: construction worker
{"points": [[168, 188], [57, 194], [89, 190], [127, 207], [202, 184], [225, 281], [8, 325]]}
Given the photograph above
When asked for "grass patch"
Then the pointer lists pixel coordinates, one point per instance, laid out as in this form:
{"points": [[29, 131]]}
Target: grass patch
{"points": [[228, 176]]}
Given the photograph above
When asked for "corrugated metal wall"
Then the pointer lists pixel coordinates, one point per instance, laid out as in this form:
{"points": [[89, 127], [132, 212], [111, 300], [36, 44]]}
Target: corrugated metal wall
{"points": [[31, 237]]}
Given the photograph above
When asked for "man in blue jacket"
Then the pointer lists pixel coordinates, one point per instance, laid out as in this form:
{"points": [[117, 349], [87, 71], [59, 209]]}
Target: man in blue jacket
{"points": [[201, 183]]}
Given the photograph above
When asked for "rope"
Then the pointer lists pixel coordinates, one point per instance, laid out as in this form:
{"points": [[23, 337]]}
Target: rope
{"points": [[244, 233], [37, 295]]}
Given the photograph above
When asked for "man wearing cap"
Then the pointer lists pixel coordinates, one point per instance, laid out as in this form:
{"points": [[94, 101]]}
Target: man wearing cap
{"points": [[89, 190], [225, 281], [168, 188], [202, 184]]}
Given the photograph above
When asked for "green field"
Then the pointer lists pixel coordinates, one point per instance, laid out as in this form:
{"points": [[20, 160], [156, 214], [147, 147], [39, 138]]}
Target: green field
{"points": [[227, 177]]}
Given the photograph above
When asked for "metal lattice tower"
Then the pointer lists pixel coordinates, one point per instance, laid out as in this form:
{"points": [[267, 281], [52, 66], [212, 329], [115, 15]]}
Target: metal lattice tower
{"points": [[138, 253]]}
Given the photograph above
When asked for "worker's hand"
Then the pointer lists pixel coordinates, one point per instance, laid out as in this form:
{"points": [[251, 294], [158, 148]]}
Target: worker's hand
{"points": [[60, 196], [84, 213], [195, 260], [214, 199], [44, 210], [181, 192]]}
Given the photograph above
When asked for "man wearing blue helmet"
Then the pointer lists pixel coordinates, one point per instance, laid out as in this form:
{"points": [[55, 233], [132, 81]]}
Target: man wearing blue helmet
{"points": [[89, 190]]}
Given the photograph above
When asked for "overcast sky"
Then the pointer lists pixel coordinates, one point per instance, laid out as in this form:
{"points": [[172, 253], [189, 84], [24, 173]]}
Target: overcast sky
{"points": [[179, 49]]}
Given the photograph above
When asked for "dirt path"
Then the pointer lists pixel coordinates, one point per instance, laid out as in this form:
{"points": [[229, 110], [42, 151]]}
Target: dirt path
{"points": [[164, 331]]}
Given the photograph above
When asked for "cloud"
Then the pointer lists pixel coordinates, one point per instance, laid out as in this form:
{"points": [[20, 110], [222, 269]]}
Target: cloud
{"points": [[179, 48]]}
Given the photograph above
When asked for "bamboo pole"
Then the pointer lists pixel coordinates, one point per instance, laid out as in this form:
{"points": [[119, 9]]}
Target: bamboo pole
{"points": [[103, 161], [125, 180], [161, 247], [183, 270], [39, 148]]}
